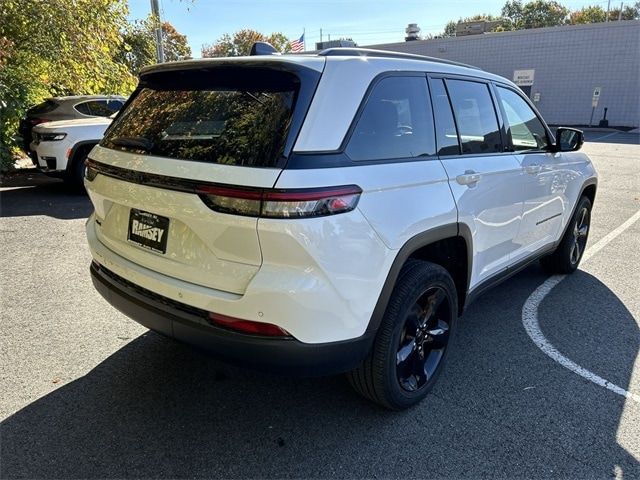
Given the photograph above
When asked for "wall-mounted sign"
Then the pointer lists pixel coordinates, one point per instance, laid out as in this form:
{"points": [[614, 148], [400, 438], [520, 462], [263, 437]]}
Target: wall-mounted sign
{"points": [[596, 96], [523, 78]]}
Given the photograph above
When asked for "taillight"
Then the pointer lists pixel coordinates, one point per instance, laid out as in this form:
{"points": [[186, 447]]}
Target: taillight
{"points": [[247, 326], [273, 203], [37, 121]]}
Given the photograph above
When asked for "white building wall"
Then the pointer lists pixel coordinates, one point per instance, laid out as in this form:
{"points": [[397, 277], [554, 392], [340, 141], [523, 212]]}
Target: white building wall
{"points": [[569, 62]]}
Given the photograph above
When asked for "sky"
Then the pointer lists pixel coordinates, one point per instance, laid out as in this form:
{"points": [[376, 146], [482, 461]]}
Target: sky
{"points": [[368, 22]]}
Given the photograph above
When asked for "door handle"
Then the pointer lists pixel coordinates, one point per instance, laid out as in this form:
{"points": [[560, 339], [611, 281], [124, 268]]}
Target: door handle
{"points": [[469, 178], [533, 169]]}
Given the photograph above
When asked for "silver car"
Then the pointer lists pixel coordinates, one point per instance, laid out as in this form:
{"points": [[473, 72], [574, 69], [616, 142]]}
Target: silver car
{"points": [[67, 108]]}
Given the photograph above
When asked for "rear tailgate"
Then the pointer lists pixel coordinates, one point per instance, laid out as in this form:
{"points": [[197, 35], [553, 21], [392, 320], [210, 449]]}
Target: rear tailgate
{"points": [[220, 126]]}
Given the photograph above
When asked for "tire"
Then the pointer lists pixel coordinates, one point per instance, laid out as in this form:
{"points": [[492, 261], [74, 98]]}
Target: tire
{"points": [[75, 175], [566, 258], [412, 337]]}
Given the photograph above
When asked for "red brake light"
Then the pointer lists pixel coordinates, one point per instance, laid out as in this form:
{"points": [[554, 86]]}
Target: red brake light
{"points": [[37, 121], [293, 203], [247, 326]]}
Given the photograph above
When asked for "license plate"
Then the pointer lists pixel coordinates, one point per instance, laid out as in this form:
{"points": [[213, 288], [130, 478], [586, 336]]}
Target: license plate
{"points": [[148, 230]]}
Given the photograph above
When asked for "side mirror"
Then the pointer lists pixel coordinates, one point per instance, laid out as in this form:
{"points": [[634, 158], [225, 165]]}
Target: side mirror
{"points": [[568, 140]]}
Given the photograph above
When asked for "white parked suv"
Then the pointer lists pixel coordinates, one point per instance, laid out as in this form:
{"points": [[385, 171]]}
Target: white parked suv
{"points": [[61, 148], [328, 213]]}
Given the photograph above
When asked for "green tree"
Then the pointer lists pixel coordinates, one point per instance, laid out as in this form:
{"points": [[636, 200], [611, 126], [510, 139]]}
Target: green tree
{"points": [[53, 47], [138, 48], [240, 43], [449, 29], [591, 14], [630, 12], [535, 14]]}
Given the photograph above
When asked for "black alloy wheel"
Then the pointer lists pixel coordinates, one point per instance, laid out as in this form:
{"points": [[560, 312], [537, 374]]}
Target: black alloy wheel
{"points": [[423, 340], [412, 341]]}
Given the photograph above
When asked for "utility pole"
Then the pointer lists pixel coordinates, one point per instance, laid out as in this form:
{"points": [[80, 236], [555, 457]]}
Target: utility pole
{"points": [[155, 10]]}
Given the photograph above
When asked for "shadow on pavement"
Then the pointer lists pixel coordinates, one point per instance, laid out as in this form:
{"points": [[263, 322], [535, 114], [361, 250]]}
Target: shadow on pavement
{"points": [[29, 192], [158, 409]]}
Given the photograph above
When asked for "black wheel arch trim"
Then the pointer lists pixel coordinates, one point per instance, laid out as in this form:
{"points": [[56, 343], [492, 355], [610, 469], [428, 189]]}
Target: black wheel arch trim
{"points": [[411, 246], [76, 148]]}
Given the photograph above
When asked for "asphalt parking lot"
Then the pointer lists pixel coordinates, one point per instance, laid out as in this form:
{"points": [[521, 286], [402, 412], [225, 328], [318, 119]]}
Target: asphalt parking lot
{"points": [[87, 393]]}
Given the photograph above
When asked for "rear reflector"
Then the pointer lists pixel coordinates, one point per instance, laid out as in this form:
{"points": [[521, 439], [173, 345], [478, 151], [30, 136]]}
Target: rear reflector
{"points": [[247, 326], [294, 203]]}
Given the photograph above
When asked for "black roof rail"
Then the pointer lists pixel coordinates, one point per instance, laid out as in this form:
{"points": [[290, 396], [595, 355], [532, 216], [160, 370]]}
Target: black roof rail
{"points": [[368, 52]]}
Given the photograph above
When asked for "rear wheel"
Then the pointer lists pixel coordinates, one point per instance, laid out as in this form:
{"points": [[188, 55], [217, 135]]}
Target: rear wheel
{"points": [[566, 258], [412, 341]]}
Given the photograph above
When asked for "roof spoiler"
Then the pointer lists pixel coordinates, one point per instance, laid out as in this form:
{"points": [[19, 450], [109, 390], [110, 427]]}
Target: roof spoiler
{"points": [[263, 48]]}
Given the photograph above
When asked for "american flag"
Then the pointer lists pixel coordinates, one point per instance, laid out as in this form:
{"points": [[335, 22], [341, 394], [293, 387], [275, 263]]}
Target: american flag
{"points": [[297, 45]]}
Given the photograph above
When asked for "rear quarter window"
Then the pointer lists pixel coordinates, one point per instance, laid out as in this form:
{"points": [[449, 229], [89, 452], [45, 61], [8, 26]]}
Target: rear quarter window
{"points": [[396, 122]]}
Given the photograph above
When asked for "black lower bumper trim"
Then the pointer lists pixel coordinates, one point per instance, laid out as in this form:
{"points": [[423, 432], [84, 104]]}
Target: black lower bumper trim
{"points": [[189, 324]]}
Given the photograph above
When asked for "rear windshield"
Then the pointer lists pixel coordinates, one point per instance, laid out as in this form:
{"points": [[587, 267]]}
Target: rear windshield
{"points": [[216, 118], [44, 107]]}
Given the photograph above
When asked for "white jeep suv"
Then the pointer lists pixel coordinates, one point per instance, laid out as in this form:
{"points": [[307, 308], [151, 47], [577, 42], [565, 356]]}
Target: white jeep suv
{"points": [[328, 213], [61, 147]]}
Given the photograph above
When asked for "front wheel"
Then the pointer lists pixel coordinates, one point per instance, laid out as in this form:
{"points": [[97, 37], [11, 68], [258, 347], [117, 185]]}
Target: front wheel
{"points": [[413, 338], [75, 175], [566, 258]]}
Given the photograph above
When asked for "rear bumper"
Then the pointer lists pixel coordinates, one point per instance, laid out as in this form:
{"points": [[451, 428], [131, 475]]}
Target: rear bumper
{"points": [[188, 324]]}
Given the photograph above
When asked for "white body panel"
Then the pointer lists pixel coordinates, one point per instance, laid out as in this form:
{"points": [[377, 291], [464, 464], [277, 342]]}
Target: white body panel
{"points": [[320, 278], [203, 247], [76, 131], [552, 183], [491, 208], [400, 200]]}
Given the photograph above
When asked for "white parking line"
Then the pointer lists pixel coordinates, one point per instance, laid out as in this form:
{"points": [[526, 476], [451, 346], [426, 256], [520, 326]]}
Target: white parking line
{"points": [[532, 325], [605, 136]]}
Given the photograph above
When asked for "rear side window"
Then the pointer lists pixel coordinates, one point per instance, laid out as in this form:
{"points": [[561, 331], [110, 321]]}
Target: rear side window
{"points": [[446, 133], [44, 107], [243, 122], [396, 122], [83, 108], [526, 130], [475, 117], [99, 108]]}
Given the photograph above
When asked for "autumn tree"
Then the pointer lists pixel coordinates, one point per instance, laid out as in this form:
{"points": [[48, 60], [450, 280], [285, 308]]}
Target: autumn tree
{"points": [[139, 45], [56, 47], [592, 14], [240, 43]]}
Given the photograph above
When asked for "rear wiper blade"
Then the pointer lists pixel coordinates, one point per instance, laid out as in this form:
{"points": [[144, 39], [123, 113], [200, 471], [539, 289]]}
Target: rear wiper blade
{"points": [[139, 143]]}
